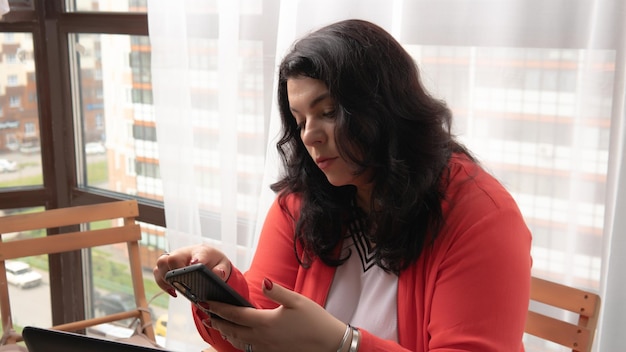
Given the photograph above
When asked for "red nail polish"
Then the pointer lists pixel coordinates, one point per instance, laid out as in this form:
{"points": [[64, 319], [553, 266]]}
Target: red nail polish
{"points": [[172, 292], [268, 284]]}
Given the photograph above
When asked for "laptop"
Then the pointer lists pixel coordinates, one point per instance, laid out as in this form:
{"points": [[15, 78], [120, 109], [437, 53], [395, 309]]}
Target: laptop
{"points": [[48, 340]]}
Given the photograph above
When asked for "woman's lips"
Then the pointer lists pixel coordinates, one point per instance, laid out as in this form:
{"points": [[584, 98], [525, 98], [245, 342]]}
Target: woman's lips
{"points": [[324, 163]]}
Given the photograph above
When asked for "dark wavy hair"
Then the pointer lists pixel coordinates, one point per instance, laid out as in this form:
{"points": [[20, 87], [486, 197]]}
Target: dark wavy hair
{"points": [[387, 124]]}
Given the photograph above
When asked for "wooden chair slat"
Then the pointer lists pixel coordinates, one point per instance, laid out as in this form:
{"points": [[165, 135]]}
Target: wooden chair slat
{"points": [[55, 218], [585, 304], [564, 297], [557, 331], [68, 242]]}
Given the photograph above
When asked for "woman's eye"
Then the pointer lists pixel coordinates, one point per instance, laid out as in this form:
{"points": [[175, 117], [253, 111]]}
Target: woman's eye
{"points": [[329, 113]]}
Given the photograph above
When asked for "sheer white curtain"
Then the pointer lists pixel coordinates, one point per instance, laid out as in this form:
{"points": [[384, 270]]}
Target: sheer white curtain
{"points": [[537, 89], [4, 7]]}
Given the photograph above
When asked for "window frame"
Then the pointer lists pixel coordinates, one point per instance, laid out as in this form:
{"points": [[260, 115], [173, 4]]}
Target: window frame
{"points": [[50, 26]]}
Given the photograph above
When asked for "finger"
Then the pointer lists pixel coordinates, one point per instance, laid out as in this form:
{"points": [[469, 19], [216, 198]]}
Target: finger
{"points": [[160, 280], [233, 333], [243, 316], [223, 269], [212, 259], [173, 260], [169, 261], [176, 259], [163, 265], [280, 295]]}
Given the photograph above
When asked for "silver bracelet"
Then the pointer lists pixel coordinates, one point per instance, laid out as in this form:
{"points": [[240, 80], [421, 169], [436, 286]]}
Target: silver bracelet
{"points": [[356, 339], [344, 338]]}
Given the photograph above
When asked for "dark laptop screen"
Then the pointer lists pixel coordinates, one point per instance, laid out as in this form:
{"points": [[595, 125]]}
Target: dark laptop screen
{"points": [[48, 340]]}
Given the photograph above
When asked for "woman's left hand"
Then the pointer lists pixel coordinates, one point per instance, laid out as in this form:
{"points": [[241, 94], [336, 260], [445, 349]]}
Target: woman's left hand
{"points": [[298, 324]]}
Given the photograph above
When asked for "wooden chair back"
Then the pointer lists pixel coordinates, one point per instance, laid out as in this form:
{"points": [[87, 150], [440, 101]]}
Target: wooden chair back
{"points": [[584, 304], [127, 232]]}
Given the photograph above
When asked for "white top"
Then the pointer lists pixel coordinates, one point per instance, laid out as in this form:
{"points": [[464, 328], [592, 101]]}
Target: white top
{"points": [[364, 295]]}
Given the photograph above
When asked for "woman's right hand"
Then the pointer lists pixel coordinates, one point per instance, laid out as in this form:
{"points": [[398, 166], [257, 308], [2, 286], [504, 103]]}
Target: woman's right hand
{"points": [[212, 258], [298, 323]]}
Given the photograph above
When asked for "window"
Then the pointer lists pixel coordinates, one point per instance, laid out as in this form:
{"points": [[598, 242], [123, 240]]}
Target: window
{"points": [[99, 121], [11, 80], [525, 124], [107, 54], [11, 58], [147, 169], [146, 133], [15, 101], [83, 66], [29, 129], [112, 5], [140, 66]]}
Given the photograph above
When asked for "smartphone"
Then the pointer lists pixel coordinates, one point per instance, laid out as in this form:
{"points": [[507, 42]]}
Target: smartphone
{"points": [[200, 284]]}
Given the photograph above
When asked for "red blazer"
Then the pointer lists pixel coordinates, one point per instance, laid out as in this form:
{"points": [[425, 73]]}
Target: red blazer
{"points": [[469, 291]]}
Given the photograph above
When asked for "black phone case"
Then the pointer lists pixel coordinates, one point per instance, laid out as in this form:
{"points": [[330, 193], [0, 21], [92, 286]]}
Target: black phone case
{"points": [[199, 284]]}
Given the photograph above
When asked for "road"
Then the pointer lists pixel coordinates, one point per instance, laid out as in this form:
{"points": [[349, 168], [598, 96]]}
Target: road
{"points": [[31, 306], [30, 164], [27, 165]]}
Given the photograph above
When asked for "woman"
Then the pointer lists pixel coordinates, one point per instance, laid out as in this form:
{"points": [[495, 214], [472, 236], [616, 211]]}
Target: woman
{"points": [[386, 234]]}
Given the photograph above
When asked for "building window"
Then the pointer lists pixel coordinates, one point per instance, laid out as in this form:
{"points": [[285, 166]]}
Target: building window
{"points": [[142, 96], [141, 67], [12, 80], [99, 121], [146, 133], [147, 169], [15, 101], [11, 58], [29, 129]]}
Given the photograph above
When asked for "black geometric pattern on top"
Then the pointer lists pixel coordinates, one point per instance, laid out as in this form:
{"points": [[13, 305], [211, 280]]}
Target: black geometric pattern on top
{"points": [[362, 244]]}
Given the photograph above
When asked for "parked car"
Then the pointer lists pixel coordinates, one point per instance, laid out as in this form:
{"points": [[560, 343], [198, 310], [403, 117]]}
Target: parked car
{"points": [[21, 274], [7, 165], [115, 302], [94, 148], [30, 148]]}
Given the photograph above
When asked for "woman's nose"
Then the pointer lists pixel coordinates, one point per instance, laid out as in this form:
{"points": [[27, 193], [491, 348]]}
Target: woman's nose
{"points": [[313, 133]]}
